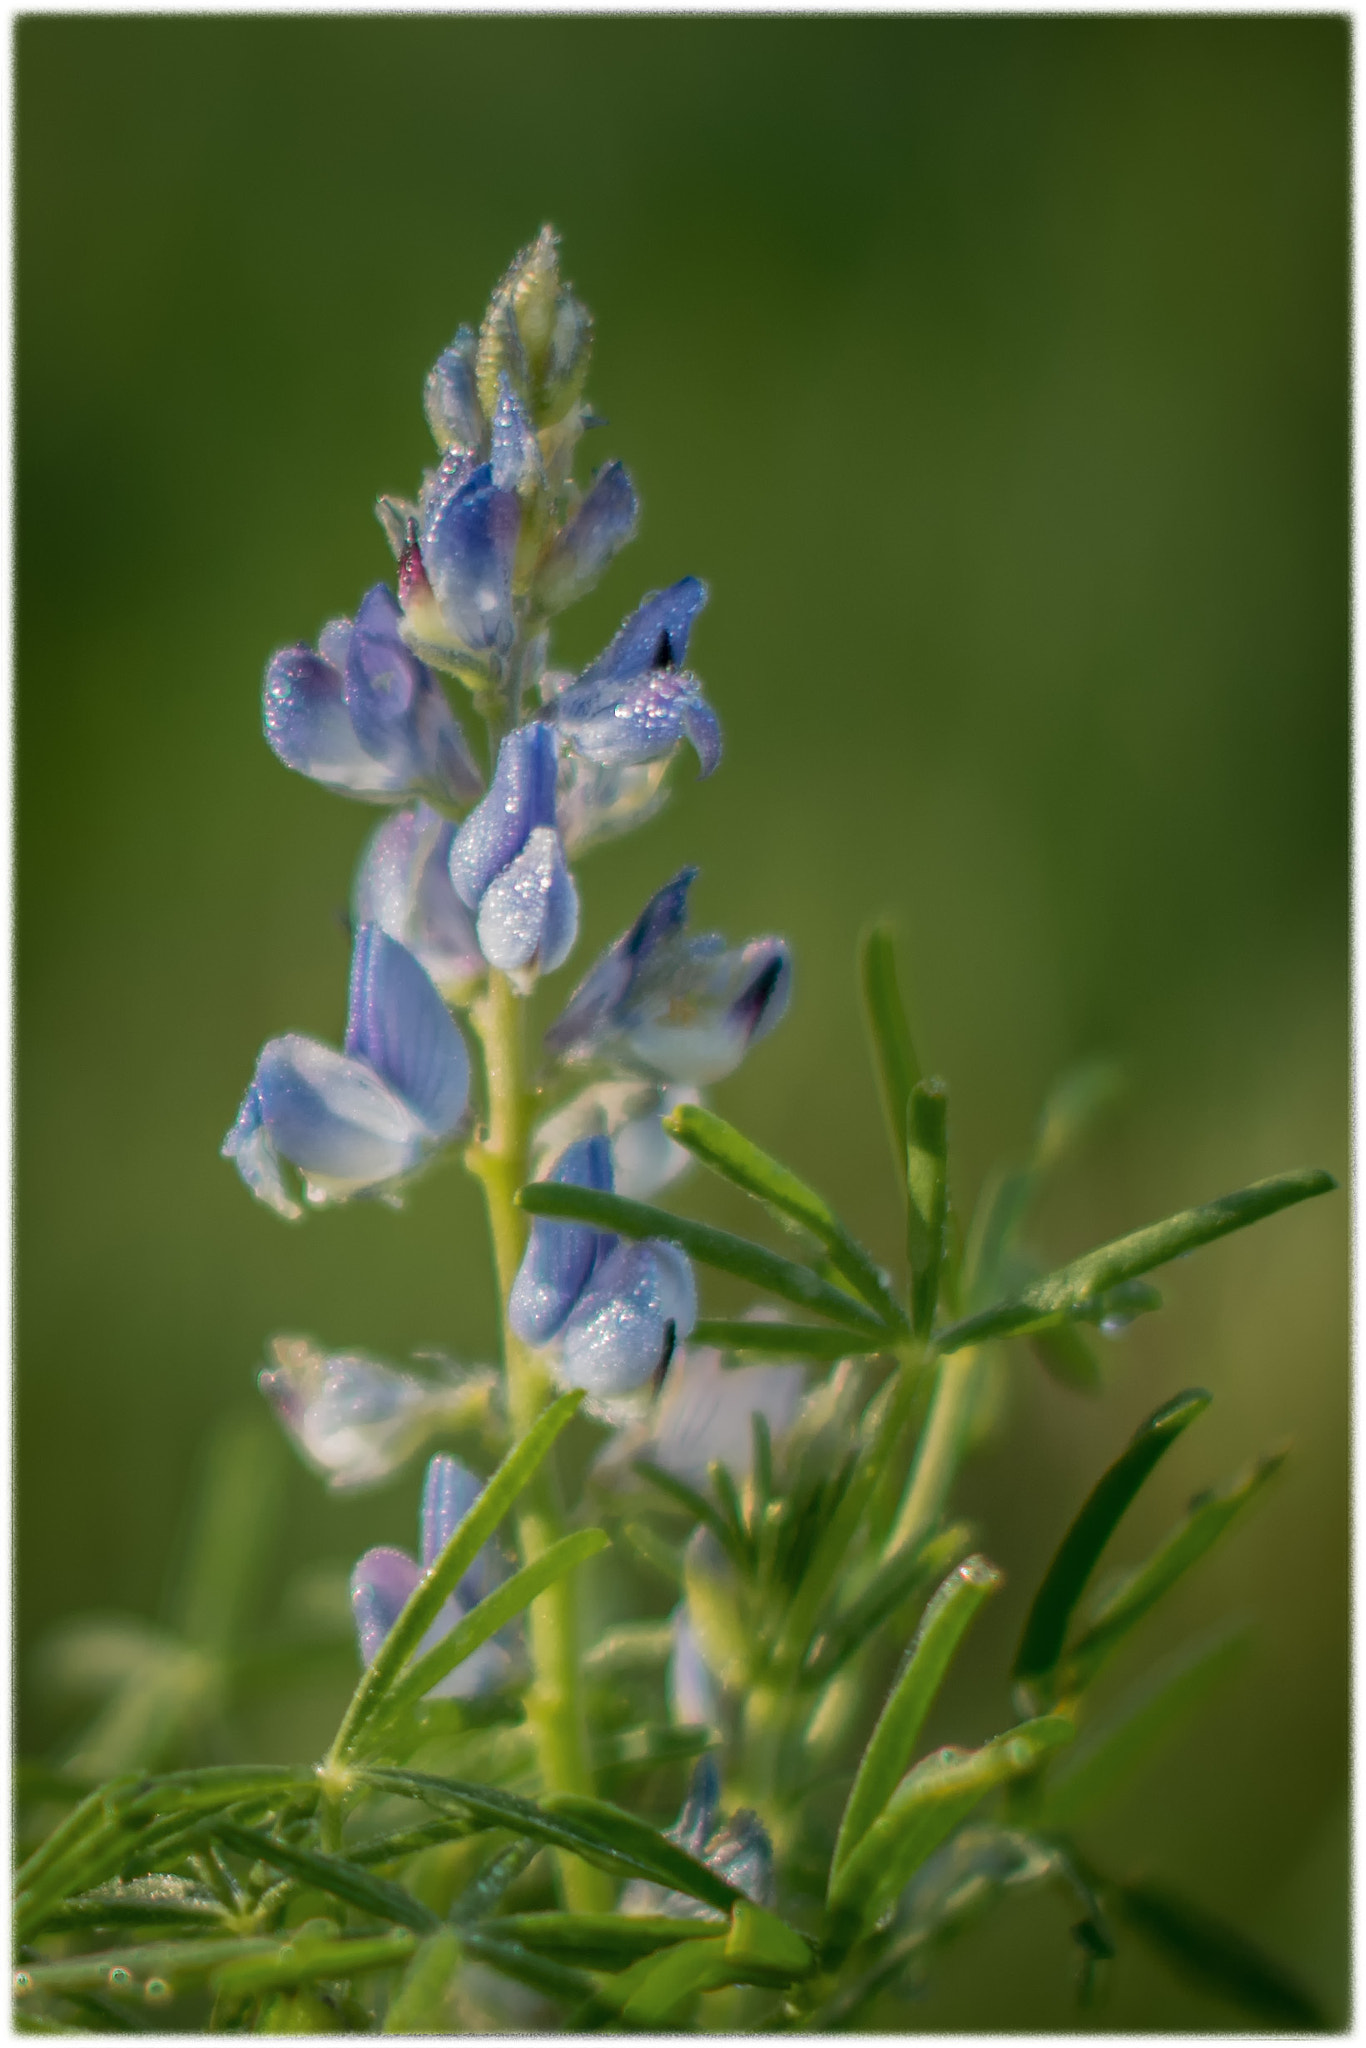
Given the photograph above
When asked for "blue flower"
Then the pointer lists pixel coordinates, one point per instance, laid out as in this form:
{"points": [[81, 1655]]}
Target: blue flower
{"points": [[600, 525], [384, 1580], [508, 866], [355, 1420], [404, 886], [636, 701], [455, 565], [361, 1120], [615, 1308], [364, 716], [673, 1007]]}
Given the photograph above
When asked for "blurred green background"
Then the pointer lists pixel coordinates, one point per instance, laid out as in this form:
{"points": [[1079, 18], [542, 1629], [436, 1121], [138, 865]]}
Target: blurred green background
{"points": [[994, 372]]}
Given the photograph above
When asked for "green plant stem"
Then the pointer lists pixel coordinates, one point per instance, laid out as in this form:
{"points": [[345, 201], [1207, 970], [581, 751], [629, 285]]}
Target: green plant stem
{"points": [[498, 1158], [938, 1453]]}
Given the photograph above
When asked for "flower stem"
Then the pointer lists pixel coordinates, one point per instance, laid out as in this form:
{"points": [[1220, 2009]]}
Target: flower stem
{"points": [[498, 1157]]}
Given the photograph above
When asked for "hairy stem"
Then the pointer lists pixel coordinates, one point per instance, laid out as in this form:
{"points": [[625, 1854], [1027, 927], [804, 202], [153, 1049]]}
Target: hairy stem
{"points": [[555, 1700]]}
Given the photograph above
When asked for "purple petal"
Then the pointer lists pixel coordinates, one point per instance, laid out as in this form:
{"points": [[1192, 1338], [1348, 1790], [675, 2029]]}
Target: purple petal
{"points": [[529, 914], [308, 726], [351, 1417], [334, 1118], [641, 1301], [559, 1257], [398, 1023], [602, 524], [654, 636], [596, 1003], [762, 1002], [640, 721], [381, 1586], [451, 400], [448, 1493], [399, 710], [521, 797], [468, 544], [403, 885], [249, 1146]]}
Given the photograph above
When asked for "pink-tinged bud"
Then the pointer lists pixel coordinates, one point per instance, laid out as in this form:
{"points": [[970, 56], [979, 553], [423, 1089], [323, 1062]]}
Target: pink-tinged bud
{"points": [[420, 608]]}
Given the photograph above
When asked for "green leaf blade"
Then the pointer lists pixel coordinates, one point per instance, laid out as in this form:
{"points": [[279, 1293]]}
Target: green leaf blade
{"points": [[889, 1748], [334, 1875], [894, 1056], [927, 1197], [1045, 1630], [737, 1159], [1209, 1517], [701, 1241], [1072, 1289]]}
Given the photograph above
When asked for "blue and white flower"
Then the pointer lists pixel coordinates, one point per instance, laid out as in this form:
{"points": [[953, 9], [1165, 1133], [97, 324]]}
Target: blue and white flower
{"points": [[507, 864], [364, 716], [705, 1415], [361, 1120], [357, 1421], [404, 886], [637, 701], [614, 1308], [675, 1007], [385, 1579]]}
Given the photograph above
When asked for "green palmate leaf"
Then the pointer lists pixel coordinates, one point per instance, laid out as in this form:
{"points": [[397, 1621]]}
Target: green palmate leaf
{"points": [[719, 1145], [1108, 1758], [1215, 1958], [215, 1786], [927, 1196], [898, 1069], [306, 1961], [601, 1834], [891, 1744], [794, 1340], [1045, 1630], [596, 1941], [930, 1802], [427, 1599], [334, 1875], [1209, 1516], [718, 1248], [493, 1613], [420, 2004], [1073, 1288]]}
